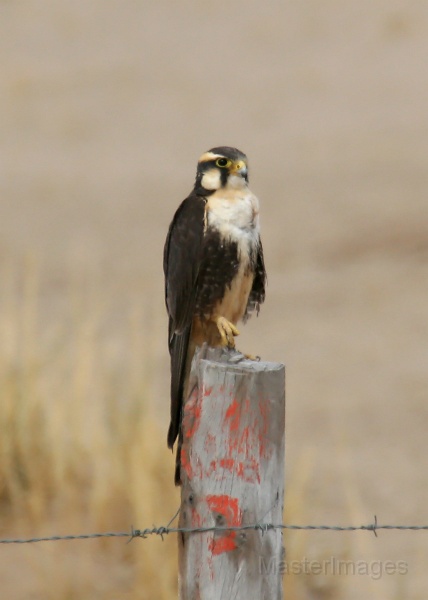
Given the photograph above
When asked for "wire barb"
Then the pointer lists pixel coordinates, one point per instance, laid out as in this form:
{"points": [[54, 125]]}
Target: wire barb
{"points": [[374, 526]]}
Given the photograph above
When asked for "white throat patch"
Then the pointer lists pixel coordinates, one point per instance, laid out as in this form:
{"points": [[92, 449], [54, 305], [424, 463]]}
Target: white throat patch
{"points": [[236, 182]]}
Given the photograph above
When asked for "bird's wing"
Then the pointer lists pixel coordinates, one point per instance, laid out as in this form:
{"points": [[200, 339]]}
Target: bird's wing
{"points": [[257, 294], [181, 263]]}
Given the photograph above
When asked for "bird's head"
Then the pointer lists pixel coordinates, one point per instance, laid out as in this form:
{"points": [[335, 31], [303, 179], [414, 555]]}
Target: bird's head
{"points": [[221, 167]]}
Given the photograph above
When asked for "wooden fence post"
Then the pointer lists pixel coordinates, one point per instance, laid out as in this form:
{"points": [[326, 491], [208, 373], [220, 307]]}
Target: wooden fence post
{"points": [[232, 470]]}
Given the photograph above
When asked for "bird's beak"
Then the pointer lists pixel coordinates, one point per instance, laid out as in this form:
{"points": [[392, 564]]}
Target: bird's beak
{"points": [[239, 168]]}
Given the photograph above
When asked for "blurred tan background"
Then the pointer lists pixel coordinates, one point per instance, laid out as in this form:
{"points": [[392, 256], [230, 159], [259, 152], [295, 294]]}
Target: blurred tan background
{"points": [[105, 109]]}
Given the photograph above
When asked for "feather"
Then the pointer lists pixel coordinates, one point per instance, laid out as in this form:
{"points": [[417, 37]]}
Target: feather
{"points": [[181, 263]]}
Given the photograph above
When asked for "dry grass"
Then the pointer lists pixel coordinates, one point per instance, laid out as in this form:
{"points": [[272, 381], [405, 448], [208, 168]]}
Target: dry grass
{"points": [[81, 450]]}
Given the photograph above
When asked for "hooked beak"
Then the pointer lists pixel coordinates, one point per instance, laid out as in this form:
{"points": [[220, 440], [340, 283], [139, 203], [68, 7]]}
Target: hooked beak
{"points": [[239, 168]]}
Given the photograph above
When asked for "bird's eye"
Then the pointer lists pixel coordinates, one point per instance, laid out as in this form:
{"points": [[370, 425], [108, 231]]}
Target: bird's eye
{"points": [[223, 162]]}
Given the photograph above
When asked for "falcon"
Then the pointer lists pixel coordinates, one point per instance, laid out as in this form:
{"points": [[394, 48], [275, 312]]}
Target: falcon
{"points": [[214, 269]]}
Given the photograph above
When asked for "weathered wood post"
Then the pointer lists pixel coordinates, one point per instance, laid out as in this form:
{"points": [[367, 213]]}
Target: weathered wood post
{"points": [[232, 469]]}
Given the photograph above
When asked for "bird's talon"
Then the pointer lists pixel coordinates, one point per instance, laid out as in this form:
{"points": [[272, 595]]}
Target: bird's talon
{"points": [[252, 357], [227, 331]]}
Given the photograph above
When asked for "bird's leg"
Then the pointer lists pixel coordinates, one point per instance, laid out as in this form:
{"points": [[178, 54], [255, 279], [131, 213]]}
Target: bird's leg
{"points": [[227, 331]]}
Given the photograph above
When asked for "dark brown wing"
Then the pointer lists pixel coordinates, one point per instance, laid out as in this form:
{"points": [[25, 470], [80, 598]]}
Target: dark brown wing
{"points": [[257, 294], [181, 263]]}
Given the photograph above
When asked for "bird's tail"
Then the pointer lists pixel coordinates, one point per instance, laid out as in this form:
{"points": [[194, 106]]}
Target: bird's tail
{"points": [[177, 474], [178, 347]]}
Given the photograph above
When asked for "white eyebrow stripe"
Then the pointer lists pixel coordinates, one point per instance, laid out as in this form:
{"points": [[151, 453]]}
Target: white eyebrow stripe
{"points": [[209, 156]]}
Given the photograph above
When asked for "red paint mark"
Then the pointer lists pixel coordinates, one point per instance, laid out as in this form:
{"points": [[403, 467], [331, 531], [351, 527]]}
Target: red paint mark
{"points": [[185, 463], [248, 470], [191, 415], [193, 468], [223, 544], [233, 413], [196, 519], [208, 391], [194, 413], [228, 507], [243, 443], [246, 443], [227, 463]]}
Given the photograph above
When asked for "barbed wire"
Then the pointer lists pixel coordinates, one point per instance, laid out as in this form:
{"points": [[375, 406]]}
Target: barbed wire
{"points": [[262, 527]]}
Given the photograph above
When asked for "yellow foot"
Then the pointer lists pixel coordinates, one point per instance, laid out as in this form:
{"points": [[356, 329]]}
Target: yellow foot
{"points": [[227, 332], [252, 357]]}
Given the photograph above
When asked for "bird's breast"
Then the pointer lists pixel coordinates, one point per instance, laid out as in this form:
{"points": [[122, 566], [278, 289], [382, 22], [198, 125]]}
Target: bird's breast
{"points": [[236, 217]]}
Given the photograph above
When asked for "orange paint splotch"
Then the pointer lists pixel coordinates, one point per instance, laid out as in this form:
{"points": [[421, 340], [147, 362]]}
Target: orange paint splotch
{"points": [[228, 507], [227, 463], [196, 519], [249, 470], [185, 463], [223, 544], [232, 415], [208, 391], [191, 416]]}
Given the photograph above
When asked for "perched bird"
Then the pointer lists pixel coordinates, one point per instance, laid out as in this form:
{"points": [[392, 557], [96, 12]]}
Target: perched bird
{"points": [[214, 268]]}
